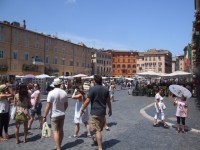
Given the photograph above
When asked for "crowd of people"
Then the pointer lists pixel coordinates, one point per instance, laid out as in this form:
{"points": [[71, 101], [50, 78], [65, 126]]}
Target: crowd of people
{"points": [[27, 102]]}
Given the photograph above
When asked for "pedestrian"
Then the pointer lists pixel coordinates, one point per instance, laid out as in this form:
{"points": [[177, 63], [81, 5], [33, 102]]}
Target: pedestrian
{"points": [[111, 90], [36, 106], [159, 106], [99, 97], [80, 97], [181, 112], [129, 87], [4, 112], [57, 102], [21, 102]]}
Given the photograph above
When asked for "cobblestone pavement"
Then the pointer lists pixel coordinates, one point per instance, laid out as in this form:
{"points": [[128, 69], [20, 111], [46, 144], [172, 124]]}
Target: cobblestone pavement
{"points": [[129, 129]]}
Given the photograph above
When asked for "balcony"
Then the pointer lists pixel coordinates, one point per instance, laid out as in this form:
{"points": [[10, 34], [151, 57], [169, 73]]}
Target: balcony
{"points": [[3, 68], [31, 67], [37, 61]]}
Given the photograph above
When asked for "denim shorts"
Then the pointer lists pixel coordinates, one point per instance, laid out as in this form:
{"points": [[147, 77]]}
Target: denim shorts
{"points": [[38, 110]]}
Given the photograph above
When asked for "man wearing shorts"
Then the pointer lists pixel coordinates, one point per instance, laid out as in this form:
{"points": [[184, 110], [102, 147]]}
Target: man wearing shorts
{"points": [[99, 97], [57, 102]]}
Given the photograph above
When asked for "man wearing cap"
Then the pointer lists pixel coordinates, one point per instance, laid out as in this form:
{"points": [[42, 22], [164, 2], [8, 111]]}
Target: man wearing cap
{"points": [[57, 102], [99, 97]]}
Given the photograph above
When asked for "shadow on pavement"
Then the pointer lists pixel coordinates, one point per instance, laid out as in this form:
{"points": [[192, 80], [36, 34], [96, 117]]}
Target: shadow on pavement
{"points": [[72, 144], [110, 143], [110, 124], [34, 138]]}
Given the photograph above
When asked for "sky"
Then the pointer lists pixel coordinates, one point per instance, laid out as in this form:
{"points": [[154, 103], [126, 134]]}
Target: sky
{"points": [[108, 24]]}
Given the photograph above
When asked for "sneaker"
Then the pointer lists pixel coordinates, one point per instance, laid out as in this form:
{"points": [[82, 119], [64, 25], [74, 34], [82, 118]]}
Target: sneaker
{"points": [[89, 135]]}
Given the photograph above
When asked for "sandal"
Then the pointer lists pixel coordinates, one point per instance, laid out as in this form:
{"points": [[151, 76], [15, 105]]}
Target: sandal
{"points": [[3, 139], [17, 141], [94, 140], [155, 124], [7, 136], [166, 126]]}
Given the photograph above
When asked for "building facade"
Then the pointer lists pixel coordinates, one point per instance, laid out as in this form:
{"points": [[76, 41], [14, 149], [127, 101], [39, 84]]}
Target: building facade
{"points": [[124, 63], [175, 64], [26, 52], [102, 63], [159, 61]]}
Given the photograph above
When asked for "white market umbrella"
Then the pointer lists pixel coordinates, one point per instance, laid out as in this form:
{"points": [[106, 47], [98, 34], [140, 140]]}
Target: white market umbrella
{"points": [[180, 73], [79, 75], [42, 76], [148, 74], [89, 77], [66, 77], [180, 91]]}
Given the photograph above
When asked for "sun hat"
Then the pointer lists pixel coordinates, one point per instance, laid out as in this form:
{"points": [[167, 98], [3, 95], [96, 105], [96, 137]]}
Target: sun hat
{"points": [[2, 87], [57, 81]]}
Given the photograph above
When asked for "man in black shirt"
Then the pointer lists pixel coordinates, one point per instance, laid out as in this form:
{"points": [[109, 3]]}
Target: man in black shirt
{"points": [[99, 97]]}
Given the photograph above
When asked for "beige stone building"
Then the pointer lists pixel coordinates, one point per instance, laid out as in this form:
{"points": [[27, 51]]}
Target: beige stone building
{"points": [[181, 63], [175, 64], [102, 63], [26, 52], [154, 60]]}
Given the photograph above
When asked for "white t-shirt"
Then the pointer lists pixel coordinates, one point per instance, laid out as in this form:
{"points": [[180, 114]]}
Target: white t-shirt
{"points": [[4, 106], [57, 97]]}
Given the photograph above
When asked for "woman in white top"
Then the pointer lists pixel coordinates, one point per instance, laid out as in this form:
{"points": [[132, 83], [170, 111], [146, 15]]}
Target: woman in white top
{"points": [[36, 106], [80, 97]]}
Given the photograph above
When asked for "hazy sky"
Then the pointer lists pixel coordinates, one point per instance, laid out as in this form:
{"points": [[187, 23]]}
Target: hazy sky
{"points": [[110, 24]]}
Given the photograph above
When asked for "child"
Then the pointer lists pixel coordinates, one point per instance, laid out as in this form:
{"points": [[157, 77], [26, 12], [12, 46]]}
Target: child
{"points": [[181, 112]]}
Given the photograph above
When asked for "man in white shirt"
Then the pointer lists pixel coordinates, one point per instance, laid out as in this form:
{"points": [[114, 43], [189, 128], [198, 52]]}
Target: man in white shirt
{"points": [[57, 102]]}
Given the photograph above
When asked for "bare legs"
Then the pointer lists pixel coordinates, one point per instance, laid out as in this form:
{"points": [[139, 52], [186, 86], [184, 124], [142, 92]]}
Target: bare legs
{"points": [[99, 140], [32, 119], [77, 128], [17, 125], [58, 137]]}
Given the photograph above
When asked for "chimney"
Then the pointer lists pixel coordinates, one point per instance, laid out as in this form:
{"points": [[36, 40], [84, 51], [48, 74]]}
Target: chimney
{"points": [[24, 24]]}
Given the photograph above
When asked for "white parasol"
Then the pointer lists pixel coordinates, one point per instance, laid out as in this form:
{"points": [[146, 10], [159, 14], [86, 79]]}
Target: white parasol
{"points": [[180, 91], [79, 75]]}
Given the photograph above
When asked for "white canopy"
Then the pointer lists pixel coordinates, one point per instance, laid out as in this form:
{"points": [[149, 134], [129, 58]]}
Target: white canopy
{"points": [[42, 76], [79, 75]]}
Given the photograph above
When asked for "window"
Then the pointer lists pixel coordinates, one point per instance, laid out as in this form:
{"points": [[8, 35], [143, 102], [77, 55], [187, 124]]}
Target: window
{"points": [[123, 66], [1, 28], [1, 54], [26, 56], [118, 66], [71, 63], [113, 65], [46, 60], [55, 60], [15, 55], [134, 66], [63, 61], [129, 66], [1, 37]]}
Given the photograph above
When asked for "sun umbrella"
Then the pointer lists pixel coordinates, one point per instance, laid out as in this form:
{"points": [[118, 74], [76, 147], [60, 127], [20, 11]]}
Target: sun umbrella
{"points": [[148, 74], [43, 76], [180, 91], [29, 76], [180, 73], [80, 75]]}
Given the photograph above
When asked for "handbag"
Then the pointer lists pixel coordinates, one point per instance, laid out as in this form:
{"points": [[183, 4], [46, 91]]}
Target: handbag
{"points": [[13, 112], [46, 131], [20, 117]]}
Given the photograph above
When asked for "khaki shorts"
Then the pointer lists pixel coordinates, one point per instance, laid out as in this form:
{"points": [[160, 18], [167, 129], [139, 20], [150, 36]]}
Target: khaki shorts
{"points": [[98, 122], [57, 123]]}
